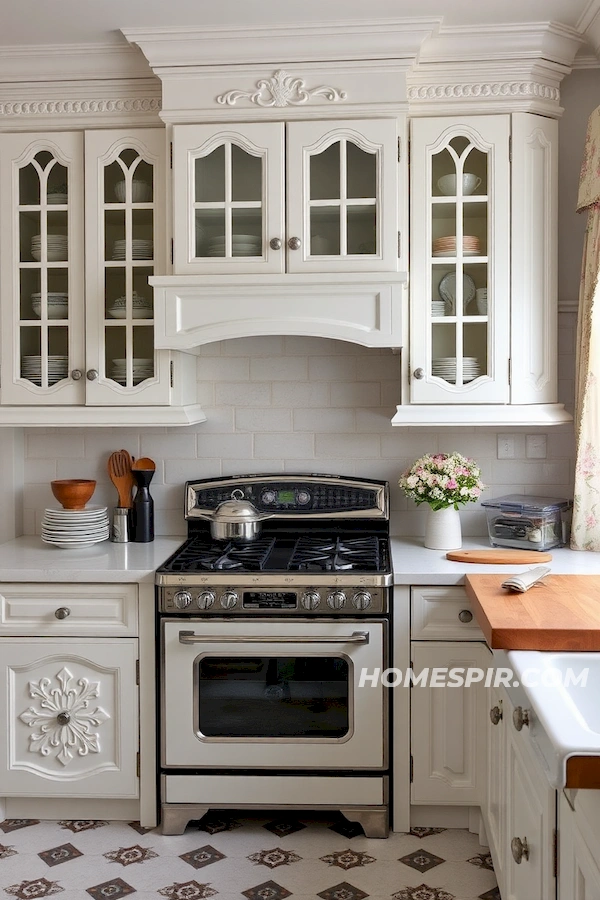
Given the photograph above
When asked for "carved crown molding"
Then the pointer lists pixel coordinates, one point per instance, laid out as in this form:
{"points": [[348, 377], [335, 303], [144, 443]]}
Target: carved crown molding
{"points": [[79, 107], [281, 90], [470, 90]]}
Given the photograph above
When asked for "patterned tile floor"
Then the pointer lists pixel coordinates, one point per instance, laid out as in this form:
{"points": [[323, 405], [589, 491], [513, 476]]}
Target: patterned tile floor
{"points": [[235, 856]]}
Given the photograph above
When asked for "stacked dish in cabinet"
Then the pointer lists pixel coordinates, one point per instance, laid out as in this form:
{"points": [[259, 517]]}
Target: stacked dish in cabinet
{"points": [[72, 529]]}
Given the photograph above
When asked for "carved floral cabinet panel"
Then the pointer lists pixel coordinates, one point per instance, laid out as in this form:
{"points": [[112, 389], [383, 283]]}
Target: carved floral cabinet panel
{"points": [[70, 713]]}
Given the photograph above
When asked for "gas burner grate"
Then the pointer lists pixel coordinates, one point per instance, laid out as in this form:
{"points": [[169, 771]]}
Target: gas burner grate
{"points": [[196, 556], [336, 554]]}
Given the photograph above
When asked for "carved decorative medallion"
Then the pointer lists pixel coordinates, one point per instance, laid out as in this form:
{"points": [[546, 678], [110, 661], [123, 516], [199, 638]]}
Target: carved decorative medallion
{"points": [[281, 90], [63, 719]]}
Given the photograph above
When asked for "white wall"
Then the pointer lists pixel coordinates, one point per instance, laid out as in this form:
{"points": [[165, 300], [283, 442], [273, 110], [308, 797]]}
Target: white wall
{"points": [[309, 405]]}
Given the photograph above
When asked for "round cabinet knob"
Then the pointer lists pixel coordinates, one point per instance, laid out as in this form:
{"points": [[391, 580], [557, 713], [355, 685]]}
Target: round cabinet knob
{"points": [[91, 374], [76, 374], [465, 615], [310, 599], [229, 599], [63, 718], [337, 600], [206, 599], [419, 373], [294, 243], [495, 715], [520, 717], [63, 612], [519, 849], [182, 599], [361, 600], [275, 244]]}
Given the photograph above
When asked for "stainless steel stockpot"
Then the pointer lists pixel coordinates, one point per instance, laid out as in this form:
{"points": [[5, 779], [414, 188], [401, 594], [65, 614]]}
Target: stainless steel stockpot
{"points": [[236, 520]]}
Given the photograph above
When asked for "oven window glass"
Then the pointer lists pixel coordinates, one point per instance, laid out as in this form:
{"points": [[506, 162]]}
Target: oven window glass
{"points": [[273, 696]]}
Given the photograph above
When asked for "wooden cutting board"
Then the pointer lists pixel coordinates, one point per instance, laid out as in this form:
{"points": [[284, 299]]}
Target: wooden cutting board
{"points": [[498, 557], [560, 613]]}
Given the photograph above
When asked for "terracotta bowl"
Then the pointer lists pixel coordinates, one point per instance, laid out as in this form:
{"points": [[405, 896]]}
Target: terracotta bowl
{"points": [[73, 493]]}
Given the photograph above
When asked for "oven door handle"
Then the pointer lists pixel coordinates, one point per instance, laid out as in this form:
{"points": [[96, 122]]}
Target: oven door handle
{"points": [[357, 637]]}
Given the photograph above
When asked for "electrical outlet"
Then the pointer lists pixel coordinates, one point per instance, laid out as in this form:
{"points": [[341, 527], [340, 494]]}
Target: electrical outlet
{"points": [[506, 446], [536, 446]]}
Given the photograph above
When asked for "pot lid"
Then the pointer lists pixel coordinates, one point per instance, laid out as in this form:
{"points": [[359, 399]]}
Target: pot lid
{"points": [[236, 511]]}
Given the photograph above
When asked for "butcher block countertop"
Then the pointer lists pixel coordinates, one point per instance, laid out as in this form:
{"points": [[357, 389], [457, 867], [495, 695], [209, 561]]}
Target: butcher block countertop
{"points": [[561, 613]]}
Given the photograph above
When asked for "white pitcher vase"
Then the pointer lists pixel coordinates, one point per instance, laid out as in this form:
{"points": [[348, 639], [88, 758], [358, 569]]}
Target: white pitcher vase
{"points": [[442, 529]]}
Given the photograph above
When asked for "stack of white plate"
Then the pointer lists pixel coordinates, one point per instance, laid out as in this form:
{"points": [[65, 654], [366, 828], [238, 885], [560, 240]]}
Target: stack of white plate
{"points": [[139, 249], [140, 307], [142, 368], [57, 304], [445, 367], [241, 245], [438, 308], [31, 368], [72, 529], [58, 197], [141, 191], [56, 247]]}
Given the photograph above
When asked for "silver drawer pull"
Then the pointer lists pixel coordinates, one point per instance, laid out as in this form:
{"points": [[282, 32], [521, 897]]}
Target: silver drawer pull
{"points": [[519, 849], [495, 715], [63, 718], [357, 637], [465, 615], [63, 612], [520, 717]]}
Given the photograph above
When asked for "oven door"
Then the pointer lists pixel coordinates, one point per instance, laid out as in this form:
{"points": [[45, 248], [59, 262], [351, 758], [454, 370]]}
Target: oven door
{"points": [[273, 694]]}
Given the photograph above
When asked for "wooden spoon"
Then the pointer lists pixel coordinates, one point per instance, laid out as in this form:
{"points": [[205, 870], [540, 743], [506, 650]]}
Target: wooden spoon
{"points": [[143, 463], [119, 470]]}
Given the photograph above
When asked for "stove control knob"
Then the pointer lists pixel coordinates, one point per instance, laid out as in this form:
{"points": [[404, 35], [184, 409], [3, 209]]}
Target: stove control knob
{"points": [[337, 600], [361, 600], [229, 599], [310, 599], [206, 599], [182, 599]]}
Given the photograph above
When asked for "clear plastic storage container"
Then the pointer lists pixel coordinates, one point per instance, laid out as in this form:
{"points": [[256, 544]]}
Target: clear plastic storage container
{"points": [[531, 523]]}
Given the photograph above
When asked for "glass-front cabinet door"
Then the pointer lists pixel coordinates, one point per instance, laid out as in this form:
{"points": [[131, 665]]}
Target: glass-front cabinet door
{"points": [[342, 196], [274, 197], [460, 279], [228, 198], [41, 184], [126, 244]]}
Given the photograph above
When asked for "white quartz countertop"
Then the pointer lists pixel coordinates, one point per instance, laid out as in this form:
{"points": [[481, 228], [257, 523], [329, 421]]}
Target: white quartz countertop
{"points": [[29, 559], [412, 563]]}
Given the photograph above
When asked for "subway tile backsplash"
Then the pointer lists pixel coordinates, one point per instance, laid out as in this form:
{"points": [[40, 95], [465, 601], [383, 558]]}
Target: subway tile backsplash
{"points": [[277, 404]]}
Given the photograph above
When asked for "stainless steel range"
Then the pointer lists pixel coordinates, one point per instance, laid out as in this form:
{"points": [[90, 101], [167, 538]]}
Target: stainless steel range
{"points": [[262, 643]]}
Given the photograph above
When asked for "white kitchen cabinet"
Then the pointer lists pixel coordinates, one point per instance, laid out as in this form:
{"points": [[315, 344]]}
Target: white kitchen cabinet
{"points": [[494, 804], [78, 337], [483, 306], [519, 811], [77, 696], [447, 722], [579, 847], [297, 197], [447, 727], [71, 717]]}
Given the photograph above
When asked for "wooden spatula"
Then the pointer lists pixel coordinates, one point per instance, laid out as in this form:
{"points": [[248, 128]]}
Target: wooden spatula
{"points": [[119, 470]]}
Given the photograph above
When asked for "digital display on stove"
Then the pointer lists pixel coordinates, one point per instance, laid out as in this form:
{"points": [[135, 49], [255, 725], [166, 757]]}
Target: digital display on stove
{"points": [[269, 600], [286, 496]]}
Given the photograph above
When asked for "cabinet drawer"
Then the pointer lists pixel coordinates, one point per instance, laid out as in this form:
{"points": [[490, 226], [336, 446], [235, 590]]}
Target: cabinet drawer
{"points": [[68, 609], [436, 615]]}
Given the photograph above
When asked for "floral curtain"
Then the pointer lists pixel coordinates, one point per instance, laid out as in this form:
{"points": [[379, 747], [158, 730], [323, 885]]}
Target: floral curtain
{"points": [[585, 533]]}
